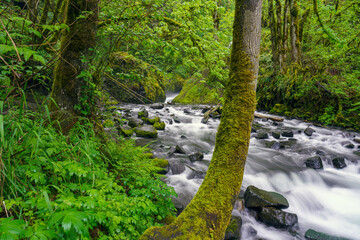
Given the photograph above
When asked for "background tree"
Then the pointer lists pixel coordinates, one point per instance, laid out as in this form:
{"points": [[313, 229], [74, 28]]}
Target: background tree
{"points": [[208, 214]]}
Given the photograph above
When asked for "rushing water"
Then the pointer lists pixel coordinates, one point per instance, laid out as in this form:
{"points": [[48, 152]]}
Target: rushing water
{"points": [[325, 200]]}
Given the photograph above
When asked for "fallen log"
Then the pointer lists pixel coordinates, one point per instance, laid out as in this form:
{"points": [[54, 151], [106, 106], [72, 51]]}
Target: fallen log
{"points": [[273, 118], [207, 114]]}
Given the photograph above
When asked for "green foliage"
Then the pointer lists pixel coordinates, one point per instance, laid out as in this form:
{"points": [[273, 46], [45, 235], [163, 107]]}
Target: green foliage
{"points": [[74, 186]]}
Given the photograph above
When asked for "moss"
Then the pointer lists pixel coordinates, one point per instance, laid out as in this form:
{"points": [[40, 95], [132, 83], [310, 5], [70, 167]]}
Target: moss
{"points": [[108, 123], [159, 125], [139, 81], [148, 155], [195, 92], [146, 131], [142, 114], [154, 120], [174, 82], [160, 162]]}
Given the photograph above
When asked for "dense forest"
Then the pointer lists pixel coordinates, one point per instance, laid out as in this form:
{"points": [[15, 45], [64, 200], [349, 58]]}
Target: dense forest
{"points": [[69, 168]]}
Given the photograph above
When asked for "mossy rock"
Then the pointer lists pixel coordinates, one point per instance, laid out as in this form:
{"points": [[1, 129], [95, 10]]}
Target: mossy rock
{"points": [[174, 83], [154, 120], [196, 92], [137, 76], [108, 123], [146, 131], [159, 125], [126, 131], [160, 162], [314, 235], [278, 108]]}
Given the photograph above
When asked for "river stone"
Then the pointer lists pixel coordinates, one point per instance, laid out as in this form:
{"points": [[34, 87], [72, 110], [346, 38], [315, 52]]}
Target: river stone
{"points": [[339, 162], [146, 131], [179, 149], [196, 157], [187, 110], [126, 130], [309, 131], [159, 126], [261, 135], [357, 140], [134, 122], [176, 167], [176, 119], [287, 133], [272, 144], [257, 198], [143, 113], [276, 135], [277, 218], [314, 235], [157, 106], [314, 162], [233, 230], [348, 144]]}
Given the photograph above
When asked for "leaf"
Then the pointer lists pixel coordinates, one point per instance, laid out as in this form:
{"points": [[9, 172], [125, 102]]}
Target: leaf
{"points": [[8, 227], [5, 48]]}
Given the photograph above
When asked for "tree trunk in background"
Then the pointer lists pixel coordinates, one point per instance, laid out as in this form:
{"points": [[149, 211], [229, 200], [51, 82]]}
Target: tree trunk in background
{"points": [[284, 48], [279, 34], [208, 214], [274, 37], [294, 31], [74, 45]]}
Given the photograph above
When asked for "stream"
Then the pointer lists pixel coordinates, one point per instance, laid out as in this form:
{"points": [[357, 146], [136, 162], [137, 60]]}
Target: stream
{"points": [[326, 200]]}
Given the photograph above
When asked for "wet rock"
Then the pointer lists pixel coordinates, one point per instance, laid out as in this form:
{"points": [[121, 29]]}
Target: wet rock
{"points": [[251, 231], [176, 167], [348, 144], [314, 162], [320, 152], [357, 153], [287, 144], [309, 131], [287, 133], [258, 198], [161, 163], [183, 137], [277, 218], [177, 149], [357, 140], [143, 113], [159, 126], [176, 119], [314, 235], [146, 131], [261, 134], [187, 110], [196, 157], [154, 120], [233, 231], [157, 106], [135, 122], [339, 162], [276, 135], [272, 144], [126, 131]]}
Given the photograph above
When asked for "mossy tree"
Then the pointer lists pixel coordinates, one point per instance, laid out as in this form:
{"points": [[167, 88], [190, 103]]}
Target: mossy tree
{"points": [[81, 17], [208, 214]]}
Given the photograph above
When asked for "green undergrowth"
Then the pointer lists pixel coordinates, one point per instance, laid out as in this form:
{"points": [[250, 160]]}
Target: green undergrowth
{"points": [[74, 186]]}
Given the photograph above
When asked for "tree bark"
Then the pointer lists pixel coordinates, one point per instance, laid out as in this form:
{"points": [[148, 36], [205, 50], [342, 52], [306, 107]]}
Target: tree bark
{"points": [[284, 48], [75, 43], [274, 37], [294, 31], [208, 214]]}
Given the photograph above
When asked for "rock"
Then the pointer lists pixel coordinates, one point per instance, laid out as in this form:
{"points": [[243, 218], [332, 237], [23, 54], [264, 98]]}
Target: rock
{"points": [[272, 144], [357, 140], [157, 106], [146, 131], [357, 153], [183, 137], [314, 162], [339, 162], [287, 144], [176, 119], [159, 125], [233, 231], [134, 122], [309, 131], [196, 157], [287, 133], [143, 113], [161, 163], [126, 131], [154, 120], [314, 235], [261, 134], [187, 110], [348, 144], [276, 135], [320, 152], [176, 167], [257, 198], [179, 149], [277, 218]]}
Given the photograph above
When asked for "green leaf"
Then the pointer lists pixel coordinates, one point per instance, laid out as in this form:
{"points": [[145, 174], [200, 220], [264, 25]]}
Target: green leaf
{"points": [[9, 228], [5, 48]]}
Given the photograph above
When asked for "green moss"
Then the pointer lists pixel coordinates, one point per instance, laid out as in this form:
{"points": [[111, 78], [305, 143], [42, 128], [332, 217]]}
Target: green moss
{"points": [[154, 120], [108, 123], [159, 125], [146, 131], [160, 162], [174, 82], [195, 92]]}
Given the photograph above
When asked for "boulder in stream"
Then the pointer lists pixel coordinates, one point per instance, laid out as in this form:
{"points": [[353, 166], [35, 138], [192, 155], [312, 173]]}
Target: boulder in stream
{"points": [[157, 106], [159, 125], [126, 130], [314, 235], [134, 122], [146, 131], [176, 167], [233, 231], [287, 133], [314, 162], [258, 198], [273, 145], [277, 218], [309, 131], [276, 135], [339, 162], [196, 157], [261, 134], [143, 113]]}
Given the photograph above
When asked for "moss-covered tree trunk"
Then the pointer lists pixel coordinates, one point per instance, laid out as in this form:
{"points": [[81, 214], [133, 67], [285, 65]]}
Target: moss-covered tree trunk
{"points": [[294, 31], [75, 44], [208, 214]]}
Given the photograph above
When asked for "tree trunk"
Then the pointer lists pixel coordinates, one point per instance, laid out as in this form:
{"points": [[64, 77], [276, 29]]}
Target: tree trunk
{"points": [[279, 34], [75, 43], [274, 37], [284, 48], [208, 214], [294, 31]]}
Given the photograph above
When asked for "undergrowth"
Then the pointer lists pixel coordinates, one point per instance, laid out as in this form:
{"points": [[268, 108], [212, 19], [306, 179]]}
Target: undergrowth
{"points": [[74, 186]]}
